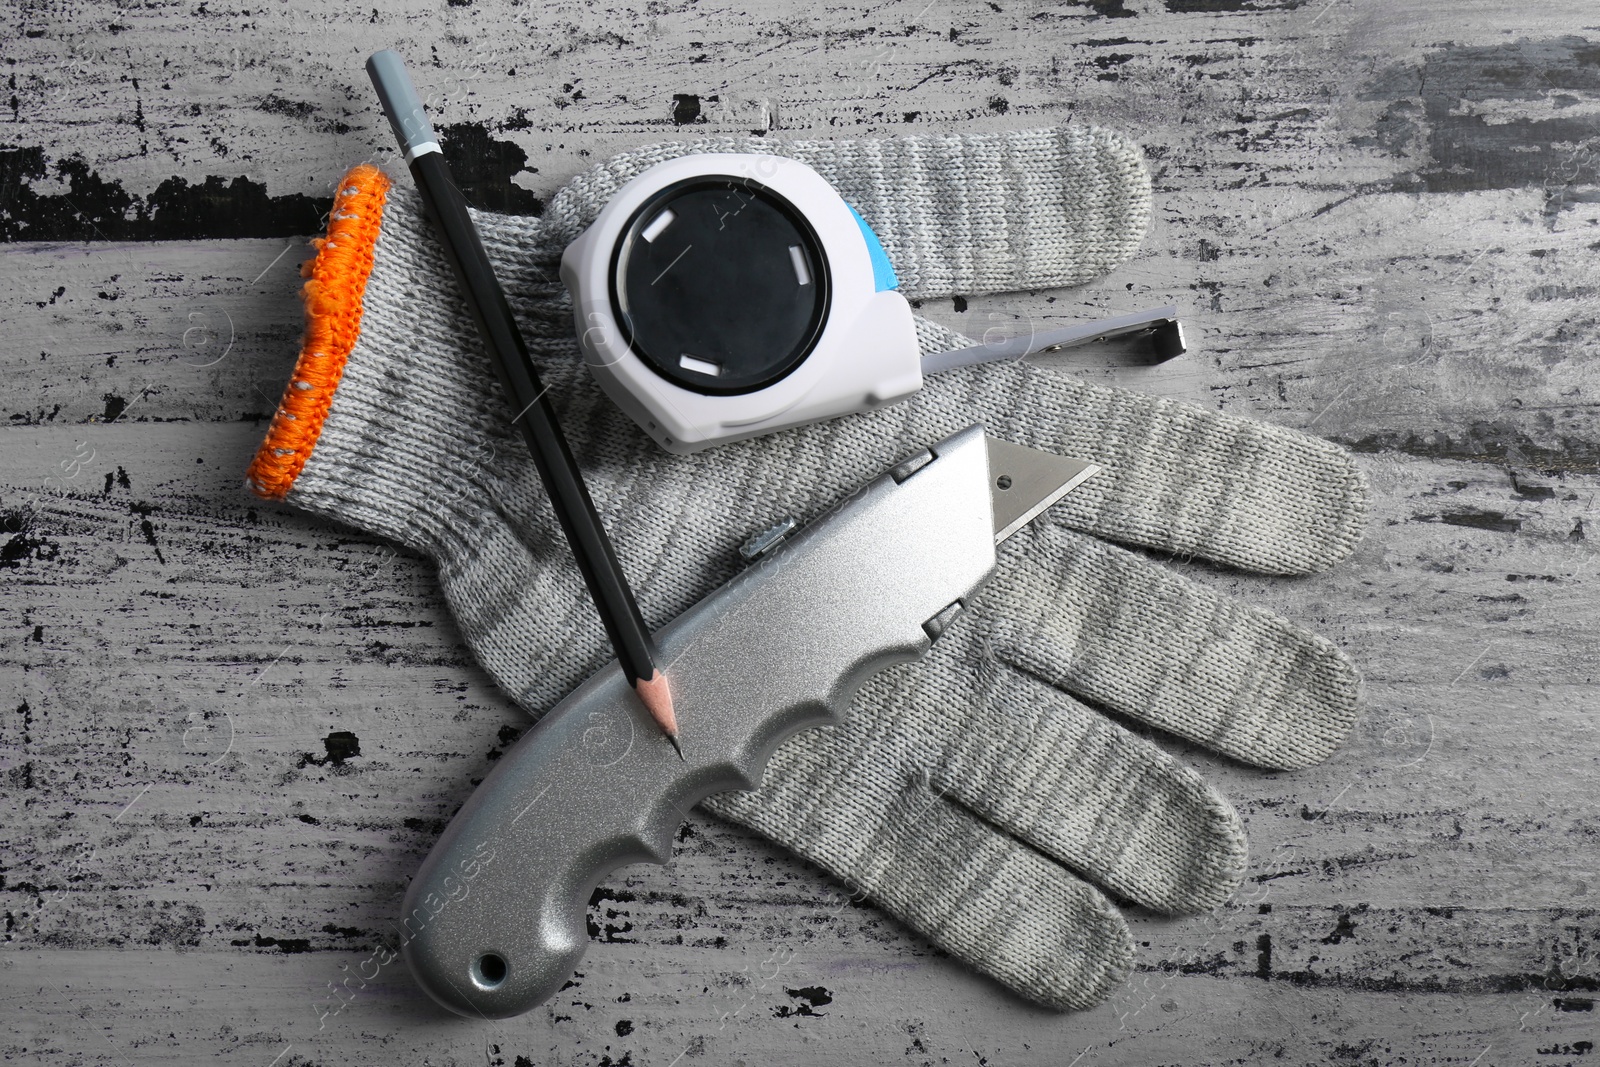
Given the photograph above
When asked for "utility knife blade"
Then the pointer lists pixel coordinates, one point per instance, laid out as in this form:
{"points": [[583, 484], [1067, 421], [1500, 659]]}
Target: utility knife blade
{"points": [[1024, 481], [494, 921]]}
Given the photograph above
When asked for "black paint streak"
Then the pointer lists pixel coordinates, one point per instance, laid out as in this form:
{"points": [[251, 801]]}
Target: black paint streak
{"points": [[1469, 151], [508, 734], [685, 109], [273, 104], [1217, 7], [340, 745], [119, 478], [350, 933], [1577, 1048], [148, 528], [1493, 521], [609, 931], [171, 923], [22, 777], [1531, 492], [601, 894], [1342, 929], [1109, 63], [811, 998], [1109, 9], [1499, 444], [483, 168], [94, 209], [40, 416], [23, 544], [1549, 983]]}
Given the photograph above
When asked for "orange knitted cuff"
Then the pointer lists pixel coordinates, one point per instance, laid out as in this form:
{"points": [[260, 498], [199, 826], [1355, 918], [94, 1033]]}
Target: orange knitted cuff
{"points": [[336, 278]]}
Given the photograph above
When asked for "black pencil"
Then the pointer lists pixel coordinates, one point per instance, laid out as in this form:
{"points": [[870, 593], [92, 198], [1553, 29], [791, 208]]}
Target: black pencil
{"points": [[597, 560]]}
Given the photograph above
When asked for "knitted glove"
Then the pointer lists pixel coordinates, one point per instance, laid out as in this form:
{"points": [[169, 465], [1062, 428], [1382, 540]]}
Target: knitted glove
{"points": [[971, 794]]}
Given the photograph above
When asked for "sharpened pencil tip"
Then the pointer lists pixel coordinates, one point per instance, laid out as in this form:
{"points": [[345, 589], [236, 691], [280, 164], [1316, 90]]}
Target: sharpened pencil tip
{"points": [[656, 696]]}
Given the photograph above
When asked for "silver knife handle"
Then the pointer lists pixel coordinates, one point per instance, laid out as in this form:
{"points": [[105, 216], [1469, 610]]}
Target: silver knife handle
{"points": [[494, 922]]}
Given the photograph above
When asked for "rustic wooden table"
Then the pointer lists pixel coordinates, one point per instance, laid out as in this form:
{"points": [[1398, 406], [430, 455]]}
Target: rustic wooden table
{"points": [[231, 732]]}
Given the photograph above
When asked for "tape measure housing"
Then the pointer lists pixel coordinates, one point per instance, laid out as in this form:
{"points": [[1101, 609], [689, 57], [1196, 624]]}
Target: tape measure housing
{"points": [[723, 296]]}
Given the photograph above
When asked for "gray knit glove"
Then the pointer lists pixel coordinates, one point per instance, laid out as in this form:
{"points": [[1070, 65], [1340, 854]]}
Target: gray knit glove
{"points": [[972, 794]]}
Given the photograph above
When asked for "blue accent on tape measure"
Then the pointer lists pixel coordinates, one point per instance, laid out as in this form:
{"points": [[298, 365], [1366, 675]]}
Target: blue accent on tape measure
{"points": [[883, 275]]}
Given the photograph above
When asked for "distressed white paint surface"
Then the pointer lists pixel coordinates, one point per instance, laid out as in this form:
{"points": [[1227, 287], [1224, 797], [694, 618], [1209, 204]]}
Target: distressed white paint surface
{"points": [[1385, 219]]}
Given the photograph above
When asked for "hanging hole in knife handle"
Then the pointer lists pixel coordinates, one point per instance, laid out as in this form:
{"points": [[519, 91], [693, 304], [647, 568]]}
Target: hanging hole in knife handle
{"points": [[489, 970], [1003, 482]]}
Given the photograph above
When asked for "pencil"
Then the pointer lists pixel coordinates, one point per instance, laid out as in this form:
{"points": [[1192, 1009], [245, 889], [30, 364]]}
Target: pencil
{"points": [[508, 352]]}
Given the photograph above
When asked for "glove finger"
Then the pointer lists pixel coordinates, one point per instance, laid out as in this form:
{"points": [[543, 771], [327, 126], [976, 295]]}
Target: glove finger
{"points": [[1126, 634], [978, 213], [1085, 791], [1174, 478], [985, 898], [994, 212], [1178, 479], [1186, 481]]}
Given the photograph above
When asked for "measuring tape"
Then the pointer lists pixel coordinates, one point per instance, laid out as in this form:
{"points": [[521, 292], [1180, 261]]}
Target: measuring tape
{"points": [[723, 296]]}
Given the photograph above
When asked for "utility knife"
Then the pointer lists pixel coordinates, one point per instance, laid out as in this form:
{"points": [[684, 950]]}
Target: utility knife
{"points": [[494, 921]]}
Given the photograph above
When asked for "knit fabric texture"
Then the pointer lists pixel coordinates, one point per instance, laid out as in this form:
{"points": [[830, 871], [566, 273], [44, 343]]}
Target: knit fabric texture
{"points": [[979, 795]]}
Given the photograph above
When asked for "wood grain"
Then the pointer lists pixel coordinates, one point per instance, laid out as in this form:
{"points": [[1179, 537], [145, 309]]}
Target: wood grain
{"points": [[230, 732]]}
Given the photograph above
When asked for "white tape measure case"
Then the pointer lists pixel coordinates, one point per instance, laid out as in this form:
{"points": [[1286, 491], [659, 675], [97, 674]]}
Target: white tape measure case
{"points": [[724, 296]]}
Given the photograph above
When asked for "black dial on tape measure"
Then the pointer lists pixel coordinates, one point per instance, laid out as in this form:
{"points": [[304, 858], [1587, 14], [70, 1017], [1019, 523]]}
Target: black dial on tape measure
{"points": [[720, 285]]}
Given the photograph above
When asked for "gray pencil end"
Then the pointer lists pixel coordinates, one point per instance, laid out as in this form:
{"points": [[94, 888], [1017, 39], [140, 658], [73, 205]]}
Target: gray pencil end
{"points": [[400, 101]]}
